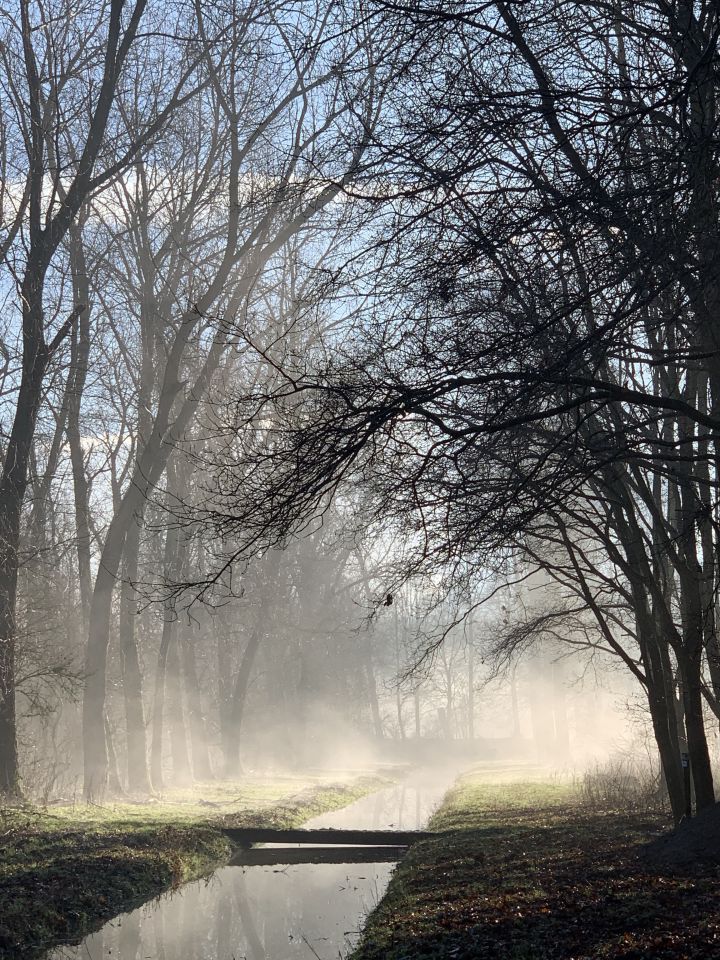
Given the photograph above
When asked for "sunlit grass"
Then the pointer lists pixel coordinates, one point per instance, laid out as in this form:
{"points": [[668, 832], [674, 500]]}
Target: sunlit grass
{"points": [[491, 800], [201, 802]]}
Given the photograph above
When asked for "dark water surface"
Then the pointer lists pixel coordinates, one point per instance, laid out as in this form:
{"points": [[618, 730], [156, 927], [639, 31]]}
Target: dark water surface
{"points": [[280, 912]]}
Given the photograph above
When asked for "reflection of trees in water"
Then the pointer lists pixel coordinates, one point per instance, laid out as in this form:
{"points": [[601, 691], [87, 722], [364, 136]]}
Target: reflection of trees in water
{"points": [[158, 935], [248, 912], [261, 913], [193, 941], [129, 939], [256, 913], [223, 924], [398, 811]]}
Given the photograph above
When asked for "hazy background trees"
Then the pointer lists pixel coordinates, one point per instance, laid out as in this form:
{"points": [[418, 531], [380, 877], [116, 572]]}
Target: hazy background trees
{"points": [[355, 358]]}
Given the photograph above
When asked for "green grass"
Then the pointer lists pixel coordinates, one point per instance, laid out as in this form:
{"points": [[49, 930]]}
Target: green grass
{"points": [[67, 870], [524, 871]]}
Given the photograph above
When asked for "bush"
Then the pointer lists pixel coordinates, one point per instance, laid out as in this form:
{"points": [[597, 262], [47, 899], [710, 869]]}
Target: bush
{"points": [[622, 784]]}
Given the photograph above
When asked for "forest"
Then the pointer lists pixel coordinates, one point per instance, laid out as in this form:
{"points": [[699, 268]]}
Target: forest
{"points": [[359, 417]]}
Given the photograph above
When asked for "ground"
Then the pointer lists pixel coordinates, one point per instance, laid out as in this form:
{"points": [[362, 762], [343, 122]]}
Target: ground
{"points": [[521, 869], [528, 871], [65, 870]]}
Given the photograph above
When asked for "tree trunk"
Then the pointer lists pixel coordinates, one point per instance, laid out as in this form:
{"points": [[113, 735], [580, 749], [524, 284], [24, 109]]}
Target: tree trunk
{"points": [[9, 772], [656, 631], [13, 484], [661, 702], [179, 485], [700, 768], [94, 748], [242, 681], [156, 749], [137, 766], [231, 744], [202, 769], [150, 466], [158, 717], [79, 357], [180, 758], [114, 781]]}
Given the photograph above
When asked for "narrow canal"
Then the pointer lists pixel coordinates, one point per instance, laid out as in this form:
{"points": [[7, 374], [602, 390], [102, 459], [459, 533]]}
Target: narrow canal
{"points": [[276, 912]]}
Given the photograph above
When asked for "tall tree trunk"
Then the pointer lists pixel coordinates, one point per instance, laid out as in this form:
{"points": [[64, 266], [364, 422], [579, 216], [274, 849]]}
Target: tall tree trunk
{"points": [[655, 655], [372, 693], [137, 764], [202, 769], [668, 749], [79, 357], [13, 484], [114, 781], [700, 768], [179, 477], [94, 747], [180, 758], [231, 744], [46, 232], [150, 466], [471, 690], [694, 617], [158, 716], [156, 745], [656, 634], [242, 680]]}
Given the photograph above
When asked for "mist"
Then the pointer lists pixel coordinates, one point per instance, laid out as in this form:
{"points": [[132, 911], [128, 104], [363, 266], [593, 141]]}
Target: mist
{"points": [[308, 666], [359, 466]]}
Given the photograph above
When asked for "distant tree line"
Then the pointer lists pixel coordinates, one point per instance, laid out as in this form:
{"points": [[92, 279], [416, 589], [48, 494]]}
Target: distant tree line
{"points": [[171, 192]]}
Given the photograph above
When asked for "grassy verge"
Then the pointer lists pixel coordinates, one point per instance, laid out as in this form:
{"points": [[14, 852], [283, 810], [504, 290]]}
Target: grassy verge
{"points": [[524, 871], [66, 871]]}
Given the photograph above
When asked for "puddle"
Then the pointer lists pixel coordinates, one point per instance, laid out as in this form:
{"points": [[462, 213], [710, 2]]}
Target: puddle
{"points": [[273, 911]]}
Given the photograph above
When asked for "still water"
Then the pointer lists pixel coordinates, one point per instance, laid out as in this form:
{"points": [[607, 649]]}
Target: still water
{"points": [[281, 912]]}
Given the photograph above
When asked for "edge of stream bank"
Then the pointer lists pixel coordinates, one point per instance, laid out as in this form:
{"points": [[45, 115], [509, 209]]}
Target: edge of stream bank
{"points": [[529, 869], [60, 881]]}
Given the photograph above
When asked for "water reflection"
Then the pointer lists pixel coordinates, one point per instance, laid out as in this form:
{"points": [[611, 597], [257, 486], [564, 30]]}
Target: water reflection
{"points": [[269, 912]]}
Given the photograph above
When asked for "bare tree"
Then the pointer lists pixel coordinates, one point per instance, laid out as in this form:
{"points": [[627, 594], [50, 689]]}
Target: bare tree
{"points": [[548, 357], [226, 222], [60, 146]]}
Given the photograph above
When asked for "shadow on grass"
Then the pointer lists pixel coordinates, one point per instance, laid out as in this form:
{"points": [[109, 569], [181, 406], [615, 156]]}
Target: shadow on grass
{"points": [[572, 890], [56, 888]]}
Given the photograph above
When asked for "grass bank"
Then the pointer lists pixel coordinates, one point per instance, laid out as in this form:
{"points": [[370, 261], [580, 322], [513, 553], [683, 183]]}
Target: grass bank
{"points": [[66, 870], [526, 871]]}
